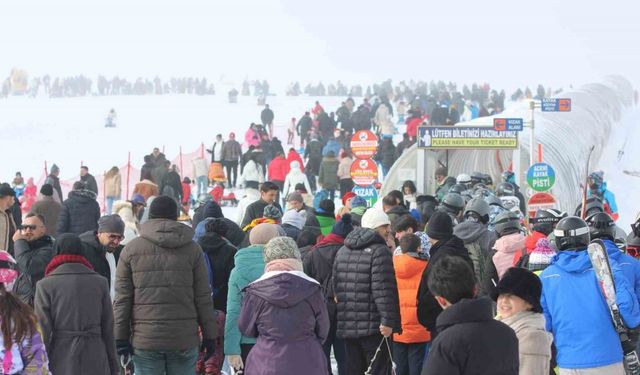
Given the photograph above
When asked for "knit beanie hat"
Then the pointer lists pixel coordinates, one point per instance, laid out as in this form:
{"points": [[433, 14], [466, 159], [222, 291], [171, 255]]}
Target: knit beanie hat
{"points": [[212, 209], [68, 243], [163, 207], [54, 169], [347, 196], [327, 206], [46, 190], [440, 226], [343, 227], [358, 202], [280, 248], [374, 218], [111, 224], [262, 233], [293, 218], [272, 212], [522, 283], [540, 257]]}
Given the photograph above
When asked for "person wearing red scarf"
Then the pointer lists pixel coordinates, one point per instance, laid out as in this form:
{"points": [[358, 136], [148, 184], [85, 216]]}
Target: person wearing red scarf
{"points": [[319, 265], [74, 302]]}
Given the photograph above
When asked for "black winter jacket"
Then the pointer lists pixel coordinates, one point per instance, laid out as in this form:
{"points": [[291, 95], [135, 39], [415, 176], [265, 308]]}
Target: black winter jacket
{"points": [[256, 210], [90, 182], [33, 258], [95, 253], [462, 346], [428, 307], [220, 252], [79, 214], [365, 286]]}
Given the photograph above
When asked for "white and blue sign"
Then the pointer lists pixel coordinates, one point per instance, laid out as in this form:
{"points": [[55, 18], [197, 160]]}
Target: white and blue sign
{"points": [[369, 193], [541, 177], [508, 124], [555, 105]]}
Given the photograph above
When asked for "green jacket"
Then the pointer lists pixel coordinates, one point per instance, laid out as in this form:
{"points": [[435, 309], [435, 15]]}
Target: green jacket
{"points": [[249, 266], [328, 175]]}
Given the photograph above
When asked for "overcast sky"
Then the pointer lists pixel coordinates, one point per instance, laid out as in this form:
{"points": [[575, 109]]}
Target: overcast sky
{"points": [[551, 42]]}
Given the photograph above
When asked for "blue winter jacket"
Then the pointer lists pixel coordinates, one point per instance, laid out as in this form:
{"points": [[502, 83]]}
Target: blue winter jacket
{"points": [[607, 197], [629, 265], [577, 314]]}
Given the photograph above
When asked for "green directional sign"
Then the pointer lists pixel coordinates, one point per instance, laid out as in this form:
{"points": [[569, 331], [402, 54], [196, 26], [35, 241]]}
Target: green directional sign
{"points": [[541, 177]]}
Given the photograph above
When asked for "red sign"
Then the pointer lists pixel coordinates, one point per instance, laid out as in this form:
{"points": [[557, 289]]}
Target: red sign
{"points": [[564, 105], [364, 144], [539, 201], [364, 172]]}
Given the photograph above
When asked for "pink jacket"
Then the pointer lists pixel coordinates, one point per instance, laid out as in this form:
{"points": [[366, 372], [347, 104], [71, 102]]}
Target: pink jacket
{"points": [[505, 248], [251, 138]]}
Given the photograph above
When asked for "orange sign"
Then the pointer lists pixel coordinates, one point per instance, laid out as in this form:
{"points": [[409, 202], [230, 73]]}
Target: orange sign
{"points": [[364, 172], [364, 144]]}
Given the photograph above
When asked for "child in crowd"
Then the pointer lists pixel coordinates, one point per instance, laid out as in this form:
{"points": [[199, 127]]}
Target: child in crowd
{"points": [[519, 293], [23, 351], [410, 346]]}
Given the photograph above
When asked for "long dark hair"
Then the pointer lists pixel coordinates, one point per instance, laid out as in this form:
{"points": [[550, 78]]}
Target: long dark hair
{"points": [[18, 320]]}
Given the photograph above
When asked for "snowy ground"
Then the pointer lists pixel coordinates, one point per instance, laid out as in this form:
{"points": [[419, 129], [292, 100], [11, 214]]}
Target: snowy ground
{"points": [[70, 131]]}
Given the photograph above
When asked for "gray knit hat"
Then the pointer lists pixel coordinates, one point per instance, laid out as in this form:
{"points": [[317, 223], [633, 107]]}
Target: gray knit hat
{"points": [[262, 233], [272, 212], [281, 248]]}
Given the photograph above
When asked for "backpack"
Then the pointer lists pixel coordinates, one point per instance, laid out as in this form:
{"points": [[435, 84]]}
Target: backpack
{"points": [[25, 288], [319, 197], [479, 259]]}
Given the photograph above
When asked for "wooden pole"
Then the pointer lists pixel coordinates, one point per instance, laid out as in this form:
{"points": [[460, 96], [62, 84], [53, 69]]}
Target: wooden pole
{"points": [[128, 173]]}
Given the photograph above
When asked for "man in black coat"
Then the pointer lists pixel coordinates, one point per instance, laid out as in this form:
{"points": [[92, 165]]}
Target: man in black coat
{"points": [[365, 288], [102, 247], [267, 116], [268, 195], [304, 125], [319, 265], [33, 250], [471, 341], [443, 242], [80, 212], [88, 179], [147, 168], [54, 180]]}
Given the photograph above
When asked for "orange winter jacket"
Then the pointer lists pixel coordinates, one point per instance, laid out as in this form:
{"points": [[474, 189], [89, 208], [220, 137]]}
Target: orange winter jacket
{"points": [[409, 269]]}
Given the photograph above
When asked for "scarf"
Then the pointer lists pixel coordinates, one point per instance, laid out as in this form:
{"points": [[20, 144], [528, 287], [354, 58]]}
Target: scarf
{"points": [[290, 264], [330, 239], [66, 258], [257, 221]]}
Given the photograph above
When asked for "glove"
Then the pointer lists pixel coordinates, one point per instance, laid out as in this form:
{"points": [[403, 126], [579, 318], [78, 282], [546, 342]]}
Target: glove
{"points": [[235, 361], [123, 347], [208, 347]]}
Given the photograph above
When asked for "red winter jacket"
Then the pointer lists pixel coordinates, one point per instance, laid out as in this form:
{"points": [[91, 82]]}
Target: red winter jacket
{"points": [[412, 127], [530, 244], [186, 193], [278, 169]]}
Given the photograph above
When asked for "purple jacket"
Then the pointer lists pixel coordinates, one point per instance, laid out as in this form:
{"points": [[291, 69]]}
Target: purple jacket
{"points": [[287, 313]]}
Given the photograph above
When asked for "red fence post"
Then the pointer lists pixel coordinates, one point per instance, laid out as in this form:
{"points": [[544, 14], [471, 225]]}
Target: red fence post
{"points": [[46, 173], [539, 153], [128, 173]]}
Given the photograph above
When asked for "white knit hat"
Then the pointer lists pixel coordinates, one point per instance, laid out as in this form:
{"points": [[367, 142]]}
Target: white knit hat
{"points": [[374, 218], [294, 218]]}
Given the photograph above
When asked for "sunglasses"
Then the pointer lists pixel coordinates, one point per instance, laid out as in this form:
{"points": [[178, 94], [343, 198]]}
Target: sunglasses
{"points": [[115, 237], [26, 227]]}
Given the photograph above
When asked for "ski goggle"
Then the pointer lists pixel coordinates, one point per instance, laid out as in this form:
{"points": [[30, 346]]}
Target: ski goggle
{"points": [[633, 251]]}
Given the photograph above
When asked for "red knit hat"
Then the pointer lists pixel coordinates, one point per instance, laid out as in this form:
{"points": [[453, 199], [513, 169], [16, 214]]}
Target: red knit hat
{"points": [[347, 196]]}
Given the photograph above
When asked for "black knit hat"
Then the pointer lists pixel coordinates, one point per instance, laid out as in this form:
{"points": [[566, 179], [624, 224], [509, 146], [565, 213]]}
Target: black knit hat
{"points": [[212, 209], [163, 207], [440, 226], [6, 190], [343, 227], [327, 206], [522, 283], [46, 190], [68, 243]]}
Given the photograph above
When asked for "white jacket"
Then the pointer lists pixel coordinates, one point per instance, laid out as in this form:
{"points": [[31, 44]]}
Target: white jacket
{"points": [[383, 120], [295, 177], [251, 172], [125, 211], [200, 167], [251, 195]]}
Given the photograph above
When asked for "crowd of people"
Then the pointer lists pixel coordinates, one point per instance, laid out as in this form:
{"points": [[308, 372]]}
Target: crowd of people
{"points": [[459, 280]]}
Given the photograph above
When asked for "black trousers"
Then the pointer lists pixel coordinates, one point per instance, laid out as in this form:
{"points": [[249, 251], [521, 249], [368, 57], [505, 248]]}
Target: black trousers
{"points": [[346, 185], [409, 357], [360, 352], [232, 167]]}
